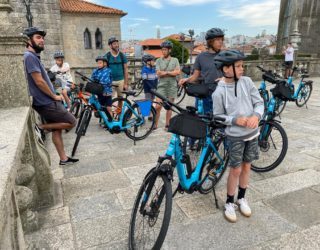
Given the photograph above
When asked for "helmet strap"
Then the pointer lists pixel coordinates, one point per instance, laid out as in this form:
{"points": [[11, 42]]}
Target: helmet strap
{"points": [[235, 79]]}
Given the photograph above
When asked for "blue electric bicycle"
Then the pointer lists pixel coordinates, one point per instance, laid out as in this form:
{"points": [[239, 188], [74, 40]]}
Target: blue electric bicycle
{"points": [[136, 120], [152, 208]]}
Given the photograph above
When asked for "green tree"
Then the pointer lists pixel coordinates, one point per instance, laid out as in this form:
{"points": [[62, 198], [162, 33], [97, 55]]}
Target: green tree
{"points": [[255, 51], [177, 51]]}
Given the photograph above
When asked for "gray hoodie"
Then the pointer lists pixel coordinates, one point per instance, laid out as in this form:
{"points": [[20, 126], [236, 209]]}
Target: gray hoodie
{"points": [[247, 103]]}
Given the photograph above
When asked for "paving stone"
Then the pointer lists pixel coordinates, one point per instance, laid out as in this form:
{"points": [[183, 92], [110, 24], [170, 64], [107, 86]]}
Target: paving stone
{"points": [[137, 174], [120, 245], [101, 230], [126, 196], [316, 188], [287, 183], [53, 217], [87, 166], [59, 237], [91, 184], [307, 239], [58, 195], [214, 232], [252, 195], [300, 207], [97, 205], [130, 161]]}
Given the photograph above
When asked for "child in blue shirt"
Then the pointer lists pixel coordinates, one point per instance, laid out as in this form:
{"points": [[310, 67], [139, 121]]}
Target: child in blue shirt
{"points": [[149, 76], [102, 74]]}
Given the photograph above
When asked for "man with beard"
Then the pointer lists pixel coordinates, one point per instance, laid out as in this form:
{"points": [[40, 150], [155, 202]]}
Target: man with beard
{"points": [[44, 100], [117, 62], [167, 69]]}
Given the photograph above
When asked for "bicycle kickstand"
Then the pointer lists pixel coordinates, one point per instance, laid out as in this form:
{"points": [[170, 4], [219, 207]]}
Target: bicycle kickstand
{"points": [[215, 197]]}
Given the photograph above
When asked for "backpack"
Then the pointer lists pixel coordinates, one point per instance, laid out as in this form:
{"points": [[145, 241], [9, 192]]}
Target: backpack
{"points": [[108, 55]]}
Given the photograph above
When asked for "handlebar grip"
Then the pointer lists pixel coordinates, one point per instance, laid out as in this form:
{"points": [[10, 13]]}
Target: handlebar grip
{"points": [[262, 69], [220, 119]]}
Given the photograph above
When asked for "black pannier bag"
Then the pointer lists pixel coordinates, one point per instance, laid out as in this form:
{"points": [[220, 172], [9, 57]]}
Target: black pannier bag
{"points": [[200, 90], [283, 91], [94, 88], [189, 125]]}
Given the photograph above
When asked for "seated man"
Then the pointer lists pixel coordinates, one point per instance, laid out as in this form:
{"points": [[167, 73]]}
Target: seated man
{"points": [[62, 70], [45, 101]]}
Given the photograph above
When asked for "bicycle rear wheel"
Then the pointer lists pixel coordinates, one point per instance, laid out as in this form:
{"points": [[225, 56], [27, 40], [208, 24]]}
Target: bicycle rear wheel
{"points": [[151, 213], [273, 145], [181, 93], [82, 128], [215, 166], [140, 126], [138, 87], [304, 95]]}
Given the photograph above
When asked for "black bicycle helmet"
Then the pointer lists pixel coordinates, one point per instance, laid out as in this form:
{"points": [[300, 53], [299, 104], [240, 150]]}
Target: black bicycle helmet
{"points": [[58, 54], [227, 58], [34, 30], [166, 44], [214, 33], [147, 58], [102, 58], [112, 40]]}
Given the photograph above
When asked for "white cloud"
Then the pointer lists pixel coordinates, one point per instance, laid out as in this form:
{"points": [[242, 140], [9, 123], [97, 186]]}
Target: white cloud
{"points": [[140, 19], [134, 25], [159, 4], [264, 13], [169, 27], [156, 4]]}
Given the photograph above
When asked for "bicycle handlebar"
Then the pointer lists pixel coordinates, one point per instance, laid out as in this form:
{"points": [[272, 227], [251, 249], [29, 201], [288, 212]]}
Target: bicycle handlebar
{"points": [[167, 100]]}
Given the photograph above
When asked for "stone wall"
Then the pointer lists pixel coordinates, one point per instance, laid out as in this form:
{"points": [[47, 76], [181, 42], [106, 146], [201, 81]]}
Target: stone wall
{"points": [[73, 27], [46, 14], [307, 13]]}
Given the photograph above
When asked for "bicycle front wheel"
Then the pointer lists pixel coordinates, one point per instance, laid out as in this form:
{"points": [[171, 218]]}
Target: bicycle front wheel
{"points": [[138, 87], [81, 130], [304, 95], [139, 126], [151, 213], [273, 145]]}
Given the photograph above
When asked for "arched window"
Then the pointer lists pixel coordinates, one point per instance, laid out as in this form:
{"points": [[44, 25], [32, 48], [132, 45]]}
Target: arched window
{"points": [[87, 39], [98, 37]]}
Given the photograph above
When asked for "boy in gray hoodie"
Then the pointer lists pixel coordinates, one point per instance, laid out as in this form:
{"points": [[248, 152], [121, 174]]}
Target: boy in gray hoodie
{"points": [[238, 101]]}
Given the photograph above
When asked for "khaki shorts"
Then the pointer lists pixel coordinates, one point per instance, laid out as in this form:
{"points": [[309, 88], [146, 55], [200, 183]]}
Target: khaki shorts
{"points": [[168, 88], [119, 89]]}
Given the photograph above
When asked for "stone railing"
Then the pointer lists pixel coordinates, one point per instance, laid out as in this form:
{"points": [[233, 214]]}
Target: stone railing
{"points": [[312, 64], [26, 182]]}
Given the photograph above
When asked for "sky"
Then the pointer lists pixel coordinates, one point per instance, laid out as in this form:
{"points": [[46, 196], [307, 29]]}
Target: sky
{"points": [[236, 17]]}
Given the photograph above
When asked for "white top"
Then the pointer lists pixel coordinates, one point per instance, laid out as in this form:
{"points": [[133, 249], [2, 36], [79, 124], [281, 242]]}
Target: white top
{"points": [[65, 71], [289, 54]]}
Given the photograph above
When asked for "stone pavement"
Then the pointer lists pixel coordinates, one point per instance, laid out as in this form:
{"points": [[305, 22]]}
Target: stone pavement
{"points": [[94, 197]]}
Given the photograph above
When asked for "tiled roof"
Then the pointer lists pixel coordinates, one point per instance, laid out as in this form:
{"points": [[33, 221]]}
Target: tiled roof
{"points": [[151, 42], [177, 37], [155, 52], [81, 6]]}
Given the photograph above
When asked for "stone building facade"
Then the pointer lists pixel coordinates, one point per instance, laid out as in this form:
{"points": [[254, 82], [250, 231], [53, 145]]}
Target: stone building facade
{"points": [[304, 14]]}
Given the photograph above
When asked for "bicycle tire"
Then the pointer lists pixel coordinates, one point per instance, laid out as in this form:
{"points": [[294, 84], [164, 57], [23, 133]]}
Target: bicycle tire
{"points": [[114, 107], [84, 122], [214, 162], [126, 118], [264, 146], [309, 85], [181, 93], [75, 107], [138, 87], [142, 200], [279, 108]]}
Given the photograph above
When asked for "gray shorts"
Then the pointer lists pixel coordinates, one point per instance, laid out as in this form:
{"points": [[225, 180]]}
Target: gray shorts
{"points": [[242, 151]]}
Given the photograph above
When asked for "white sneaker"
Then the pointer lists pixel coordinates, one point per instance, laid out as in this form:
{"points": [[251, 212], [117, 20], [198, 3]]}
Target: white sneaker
{"points": [[230, 212], [244, 207]]}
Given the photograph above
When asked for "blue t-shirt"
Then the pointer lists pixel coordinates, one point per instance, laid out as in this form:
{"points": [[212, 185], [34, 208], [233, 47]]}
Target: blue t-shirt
{"points": [[149, 78], [103, 76], [116, 66], [33, 64]]}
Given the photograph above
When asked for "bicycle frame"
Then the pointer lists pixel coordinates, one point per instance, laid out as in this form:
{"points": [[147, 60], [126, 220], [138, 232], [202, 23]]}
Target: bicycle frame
{"points": [[175, 151], [114, 124]]}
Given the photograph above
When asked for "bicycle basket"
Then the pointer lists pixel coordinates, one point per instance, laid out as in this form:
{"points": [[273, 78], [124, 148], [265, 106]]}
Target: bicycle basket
{"points": [[200, 90], [188, 125], [144, 106], [283, 91], [94, 88]]}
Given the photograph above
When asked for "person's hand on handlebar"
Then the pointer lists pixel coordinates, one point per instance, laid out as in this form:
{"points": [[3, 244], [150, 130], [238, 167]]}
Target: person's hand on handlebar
{"points": [[183, 81], [58, 98]]}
